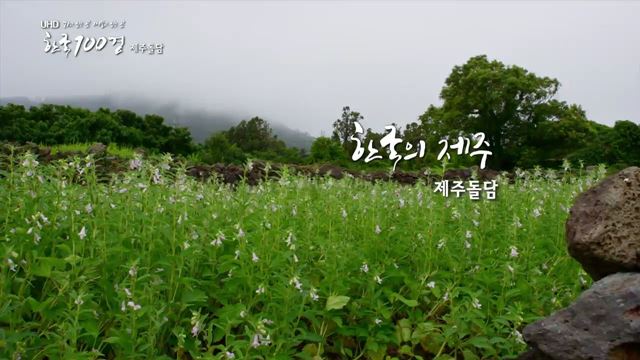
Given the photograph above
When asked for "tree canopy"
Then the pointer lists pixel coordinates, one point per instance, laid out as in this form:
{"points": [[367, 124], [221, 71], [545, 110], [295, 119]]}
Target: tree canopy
{"points": [[507, 103]]}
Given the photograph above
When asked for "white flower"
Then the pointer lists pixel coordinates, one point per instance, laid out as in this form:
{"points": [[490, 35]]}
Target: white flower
{"points": [[88, 208], [344, 213], [256, 341], [229, 355], [467, 244], [289, 240], [217, 241], [476, 223], [514, 252], [364, 268], [518, 336], [476, 303], [240, 233], [133, 271], [510, 268], [516, 222], [127, 291], [260, 290], [195, 330], [135, 164], [133, 305], [536, 213], [445, 297], [237, 253], [431, 284], [12, 265], [260, 340], [295, 258], [243, 314], [378, 321], [185, 245], [83, 233], [468, 234], [441, 244], [583, 281], [378, 279], [313, 294], [296, 283], [378, 230], [254, 257], [79, 301]]}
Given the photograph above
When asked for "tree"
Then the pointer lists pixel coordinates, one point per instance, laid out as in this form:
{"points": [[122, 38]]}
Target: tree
{"points": [[507, 103], [218, 149], [623, 143], [344, 127], [252, 136], [325, 149]]}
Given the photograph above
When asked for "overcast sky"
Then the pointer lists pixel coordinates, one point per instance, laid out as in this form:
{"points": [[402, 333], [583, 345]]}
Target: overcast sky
{"points": [[299, 62]]}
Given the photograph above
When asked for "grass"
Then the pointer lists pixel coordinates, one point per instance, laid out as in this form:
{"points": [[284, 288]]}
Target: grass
{"points": [[112, 149], [158, 265]]}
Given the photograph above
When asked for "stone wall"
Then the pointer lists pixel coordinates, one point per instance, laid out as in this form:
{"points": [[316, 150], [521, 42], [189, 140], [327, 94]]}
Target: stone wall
{"points": [[603, 234]]}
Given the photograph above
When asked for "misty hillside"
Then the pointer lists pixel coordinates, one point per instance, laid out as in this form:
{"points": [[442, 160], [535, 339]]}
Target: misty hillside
{"points": [[200, 123]]}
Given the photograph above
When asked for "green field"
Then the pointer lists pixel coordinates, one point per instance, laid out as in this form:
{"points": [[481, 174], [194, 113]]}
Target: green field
{"points": [[158, 265]]}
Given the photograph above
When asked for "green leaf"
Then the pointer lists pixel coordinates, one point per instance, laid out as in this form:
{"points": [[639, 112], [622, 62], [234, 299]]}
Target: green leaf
{"points": [[408, 302], [336, 302], [480, 342], [194, 296]]}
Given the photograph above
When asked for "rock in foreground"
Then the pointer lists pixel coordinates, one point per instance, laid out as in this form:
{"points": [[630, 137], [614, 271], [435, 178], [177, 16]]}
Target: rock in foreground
{"points": [[603, 229], [603, 324]]}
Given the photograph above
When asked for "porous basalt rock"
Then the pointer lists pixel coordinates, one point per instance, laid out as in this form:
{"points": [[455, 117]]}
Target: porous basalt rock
{"points": [[602, 324], [603, 228]]}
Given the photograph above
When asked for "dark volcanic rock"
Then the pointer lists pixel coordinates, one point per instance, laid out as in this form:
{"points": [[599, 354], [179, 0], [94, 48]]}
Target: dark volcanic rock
{"points": [[97, 149], [405, 178], [44, 154], [487, 174], [232, 174], [603, 324], [376, 176], [457, 174], [534, 354], [333, 171], [603, 228], [199, 172]]}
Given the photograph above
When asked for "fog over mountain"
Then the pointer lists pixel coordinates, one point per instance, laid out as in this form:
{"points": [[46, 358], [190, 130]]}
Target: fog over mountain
{"points": [[201, 123], [299, 62]]}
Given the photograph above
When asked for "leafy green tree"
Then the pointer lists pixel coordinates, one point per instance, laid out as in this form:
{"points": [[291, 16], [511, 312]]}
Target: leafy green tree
{"points": [[325, 149], [344, 128], [252, 136], [505, 102], [623, 143], [56, 124], [218, 149]]}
